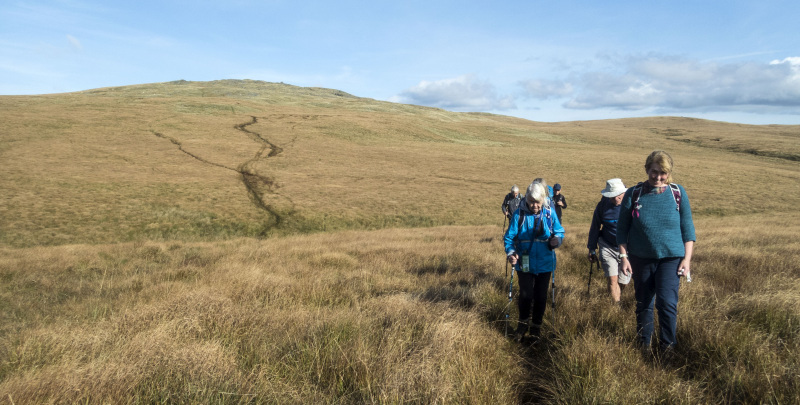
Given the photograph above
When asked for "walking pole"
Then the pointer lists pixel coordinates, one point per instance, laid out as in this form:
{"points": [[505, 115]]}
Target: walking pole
{"points": [[504, 236], [553, 288], [510, 295], [589, 287]]}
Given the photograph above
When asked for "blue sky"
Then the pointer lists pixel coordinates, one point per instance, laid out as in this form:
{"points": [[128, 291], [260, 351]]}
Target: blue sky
{"points": [[735, 61]]}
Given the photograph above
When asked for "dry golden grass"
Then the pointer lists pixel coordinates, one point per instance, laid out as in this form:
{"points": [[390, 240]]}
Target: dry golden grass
{"points": [[389, 316], [155, 247], [210, 161], [410, 315]]}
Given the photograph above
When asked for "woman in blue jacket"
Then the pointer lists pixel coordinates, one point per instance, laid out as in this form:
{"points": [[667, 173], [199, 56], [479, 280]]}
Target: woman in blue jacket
{"points": [[656, 239], [533, 234]]}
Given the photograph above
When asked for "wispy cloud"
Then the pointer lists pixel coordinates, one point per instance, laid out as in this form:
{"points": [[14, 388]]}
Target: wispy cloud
{"points": [[678, 84], [76, 44], [546, 89], [463, 93]]}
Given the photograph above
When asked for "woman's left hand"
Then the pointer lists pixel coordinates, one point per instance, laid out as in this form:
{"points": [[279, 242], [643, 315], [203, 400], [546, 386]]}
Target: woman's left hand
{"points": [[685, 268]]}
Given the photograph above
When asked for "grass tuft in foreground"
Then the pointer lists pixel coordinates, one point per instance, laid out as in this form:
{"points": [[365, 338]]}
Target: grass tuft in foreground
{"points": [[385, 316]]}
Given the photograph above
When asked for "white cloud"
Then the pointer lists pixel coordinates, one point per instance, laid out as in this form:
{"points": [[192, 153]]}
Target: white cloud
{"points": [[794, 64], [463, 93], [666, 83]]}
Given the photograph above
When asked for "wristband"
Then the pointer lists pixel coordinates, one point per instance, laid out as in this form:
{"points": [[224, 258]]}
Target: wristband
{"points": [[624, 255]]}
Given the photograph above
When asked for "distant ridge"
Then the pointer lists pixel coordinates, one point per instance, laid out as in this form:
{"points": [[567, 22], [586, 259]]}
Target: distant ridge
{"points": [[239, 88]]}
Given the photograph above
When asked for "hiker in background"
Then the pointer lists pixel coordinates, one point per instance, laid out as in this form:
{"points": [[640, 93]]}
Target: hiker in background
{"points": [[548, 203], [656, 238], [534, 233], [559, 201], [603, 233], [511, 202]]}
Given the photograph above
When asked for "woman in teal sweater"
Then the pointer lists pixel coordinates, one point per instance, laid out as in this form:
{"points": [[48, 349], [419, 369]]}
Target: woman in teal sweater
{"points": [[656, 237]]}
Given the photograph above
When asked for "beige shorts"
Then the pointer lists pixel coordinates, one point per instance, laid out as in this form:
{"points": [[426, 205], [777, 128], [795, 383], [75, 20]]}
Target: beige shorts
{"points": [[610, 259]]}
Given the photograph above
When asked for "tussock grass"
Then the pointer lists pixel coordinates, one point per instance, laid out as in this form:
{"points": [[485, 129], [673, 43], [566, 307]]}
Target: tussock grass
{"points": [[250, 242], [384, 316], [352, 317]]}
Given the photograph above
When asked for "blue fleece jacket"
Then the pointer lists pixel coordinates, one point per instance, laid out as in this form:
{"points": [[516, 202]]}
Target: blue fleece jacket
{"points": [[660, 230], [530, 237]]}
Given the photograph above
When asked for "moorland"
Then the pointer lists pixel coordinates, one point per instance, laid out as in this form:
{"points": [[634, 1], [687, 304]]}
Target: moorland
{"points": [[240, 241]]}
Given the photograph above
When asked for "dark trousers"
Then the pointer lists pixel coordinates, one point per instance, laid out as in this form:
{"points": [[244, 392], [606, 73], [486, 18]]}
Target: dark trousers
{"points": [[656, 279], [533, 290]]}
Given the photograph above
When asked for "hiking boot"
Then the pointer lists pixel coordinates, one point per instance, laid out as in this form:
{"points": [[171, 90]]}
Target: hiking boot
{"points": [[519, 334], [646, 350], [535, 334], [667, 355]]}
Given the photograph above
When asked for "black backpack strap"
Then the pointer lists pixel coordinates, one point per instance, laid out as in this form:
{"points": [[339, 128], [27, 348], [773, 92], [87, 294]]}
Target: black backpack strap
{"points": [[637, 191], [676, 195]]}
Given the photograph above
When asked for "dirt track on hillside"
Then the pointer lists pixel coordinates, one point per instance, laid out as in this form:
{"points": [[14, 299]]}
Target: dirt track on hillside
{"points": [[258, 185]]}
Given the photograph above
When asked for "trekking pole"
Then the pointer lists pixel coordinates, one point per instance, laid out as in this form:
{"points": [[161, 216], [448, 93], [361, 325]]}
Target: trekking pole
{"points": [[504, 236], [510, 295], [589, 287], [553, 288]]}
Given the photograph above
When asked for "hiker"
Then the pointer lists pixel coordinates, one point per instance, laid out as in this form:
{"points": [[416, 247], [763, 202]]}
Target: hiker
{"points": [[549, 191], [559, 201], [603, 233], [511, 202], [656, 238], [533, 233]]}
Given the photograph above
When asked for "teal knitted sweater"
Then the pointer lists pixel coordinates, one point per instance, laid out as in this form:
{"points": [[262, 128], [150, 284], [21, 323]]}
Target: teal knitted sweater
{"points": [[660, 230]]}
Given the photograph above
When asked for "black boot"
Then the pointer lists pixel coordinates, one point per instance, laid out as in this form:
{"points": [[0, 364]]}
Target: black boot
{"points": [[522, 328], [535, 333], [667, 355], [647, 350]]}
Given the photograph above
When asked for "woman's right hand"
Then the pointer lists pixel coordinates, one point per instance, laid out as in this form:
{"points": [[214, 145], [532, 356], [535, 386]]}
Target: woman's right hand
{"points": [[512, 258]]}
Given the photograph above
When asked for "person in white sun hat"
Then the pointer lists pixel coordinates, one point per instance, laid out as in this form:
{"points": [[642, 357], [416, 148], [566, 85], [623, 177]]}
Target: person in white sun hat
{"points": [[603, 234]]}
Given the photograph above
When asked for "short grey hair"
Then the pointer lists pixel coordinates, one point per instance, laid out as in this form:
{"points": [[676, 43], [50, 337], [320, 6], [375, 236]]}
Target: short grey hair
{"points": [[514, 188]]}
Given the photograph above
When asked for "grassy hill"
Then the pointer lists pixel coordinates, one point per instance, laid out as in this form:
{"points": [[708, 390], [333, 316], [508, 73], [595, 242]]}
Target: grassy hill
{"points": [[204, 161], [249, 242]]}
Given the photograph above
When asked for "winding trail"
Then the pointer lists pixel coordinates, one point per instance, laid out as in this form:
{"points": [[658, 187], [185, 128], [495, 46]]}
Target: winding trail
{"points": [[258, 185]]}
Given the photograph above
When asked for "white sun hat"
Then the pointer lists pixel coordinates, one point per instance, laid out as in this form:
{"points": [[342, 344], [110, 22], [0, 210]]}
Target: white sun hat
{"points": [[614, 187]]}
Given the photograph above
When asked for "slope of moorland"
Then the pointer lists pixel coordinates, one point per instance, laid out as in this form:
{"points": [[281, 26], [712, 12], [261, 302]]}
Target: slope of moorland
{"points": [[204, 161], [250, 242]]}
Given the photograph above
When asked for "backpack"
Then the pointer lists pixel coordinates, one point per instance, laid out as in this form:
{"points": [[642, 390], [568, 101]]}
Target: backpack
{"points": [[637, 190]]}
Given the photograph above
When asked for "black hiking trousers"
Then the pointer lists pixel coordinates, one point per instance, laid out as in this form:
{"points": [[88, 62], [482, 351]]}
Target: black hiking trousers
{"points": [[533, 290]]}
